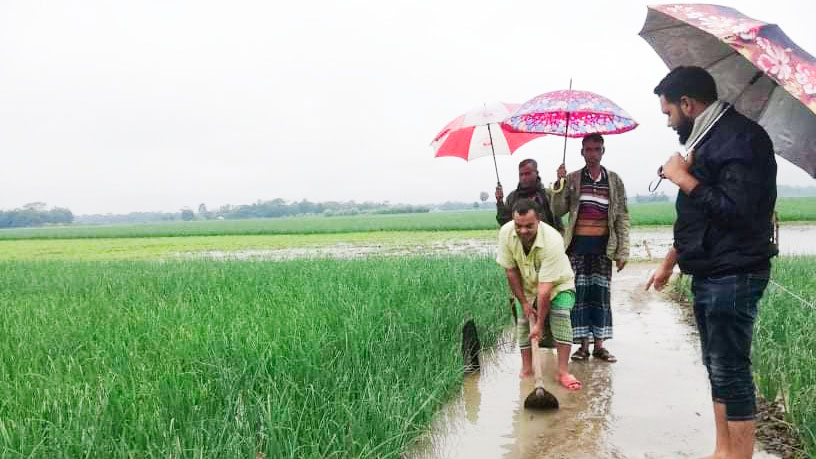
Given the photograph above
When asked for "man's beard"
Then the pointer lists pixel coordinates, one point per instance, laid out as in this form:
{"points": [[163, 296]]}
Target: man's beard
{"points": [[684, 130]]}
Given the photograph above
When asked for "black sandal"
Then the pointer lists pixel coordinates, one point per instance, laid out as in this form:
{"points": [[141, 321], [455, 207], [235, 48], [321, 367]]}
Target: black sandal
{"points": [[603, 354], [581, 354]]}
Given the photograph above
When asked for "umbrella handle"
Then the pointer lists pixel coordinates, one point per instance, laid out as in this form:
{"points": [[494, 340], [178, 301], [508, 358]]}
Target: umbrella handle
{"points": [[559, 186]]}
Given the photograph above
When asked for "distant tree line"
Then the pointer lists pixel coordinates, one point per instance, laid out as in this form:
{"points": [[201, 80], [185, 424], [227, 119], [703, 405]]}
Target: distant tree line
{"points": [[35, 214], [129, 218], [280, 208]]}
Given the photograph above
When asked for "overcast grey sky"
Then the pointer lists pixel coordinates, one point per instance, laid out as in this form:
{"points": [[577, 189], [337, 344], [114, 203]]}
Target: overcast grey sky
{"points": [[119, 106]]}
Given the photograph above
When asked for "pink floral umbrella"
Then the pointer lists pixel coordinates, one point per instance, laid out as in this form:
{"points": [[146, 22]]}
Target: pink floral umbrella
{"points": [[570, 113], [756, 66], [479, 132]]}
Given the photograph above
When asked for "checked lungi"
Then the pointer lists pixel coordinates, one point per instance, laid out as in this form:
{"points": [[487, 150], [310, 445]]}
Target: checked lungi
{"points": [[591, 316]]}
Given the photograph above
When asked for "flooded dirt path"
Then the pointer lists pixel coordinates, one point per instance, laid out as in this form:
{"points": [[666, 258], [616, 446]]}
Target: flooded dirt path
{"points": [[653, 403]]}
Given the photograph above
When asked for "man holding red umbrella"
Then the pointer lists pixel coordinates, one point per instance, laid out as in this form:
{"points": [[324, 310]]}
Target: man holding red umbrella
{"points": [[529, 187]]}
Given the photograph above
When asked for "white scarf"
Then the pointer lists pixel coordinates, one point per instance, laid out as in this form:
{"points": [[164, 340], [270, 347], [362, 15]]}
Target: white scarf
{"points": [[705, 121]]}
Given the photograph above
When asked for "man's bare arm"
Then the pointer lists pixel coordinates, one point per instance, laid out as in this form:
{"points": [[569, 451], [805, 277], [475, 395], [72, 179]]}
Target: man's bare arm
{"points": [[660, 277], [514, 281]]}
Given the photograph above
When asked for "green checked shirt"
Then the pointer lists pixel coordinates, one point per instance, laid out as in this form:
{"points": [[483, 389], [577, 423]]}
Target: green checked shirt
{"points": [[546, 261]]}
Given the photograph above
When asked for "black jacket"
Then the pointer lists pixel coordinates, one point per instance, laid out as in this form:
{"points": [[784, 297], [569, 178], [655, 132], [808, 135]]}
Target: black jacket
{"points": [[504, 210], [724, 226]]}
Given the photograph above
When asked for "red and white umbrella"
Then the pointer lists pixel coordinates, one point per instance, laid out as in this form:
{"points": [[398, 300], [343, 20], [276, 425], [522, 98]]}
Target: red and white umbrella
{"points": [[480, 132]]}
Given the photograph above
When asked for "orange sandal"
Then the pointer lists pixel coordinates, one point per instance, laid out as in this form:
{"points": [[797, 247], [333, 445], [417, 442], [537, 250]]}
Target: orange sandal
{"points": [[569, 381]]}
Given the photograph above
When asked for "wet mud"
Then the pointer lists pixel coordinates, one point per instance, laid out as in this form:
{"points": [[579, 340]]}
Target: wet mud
{"points": [[653, 403]]}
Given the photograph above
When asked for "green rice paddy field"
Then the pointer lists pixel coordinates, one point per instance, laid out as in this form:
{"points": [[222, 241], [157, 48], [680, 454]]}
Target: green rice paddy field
{"points": [[110, 348], [784, 343], [789, 209], [208, 359], [152, 248]]}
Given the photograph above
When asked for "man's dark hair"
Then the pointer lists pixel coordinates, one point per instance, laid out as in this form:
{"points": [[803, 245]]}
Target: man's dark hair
{"points": [[690, 81], [523, 206], [530, 162], [592, 138]]}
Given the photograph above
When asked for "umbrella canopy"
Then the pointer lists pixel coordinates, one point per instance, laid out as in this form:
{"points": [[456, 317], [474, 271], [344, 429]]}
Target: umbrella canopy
{"points": [[756, 66], [571, 113], [479, 133]]}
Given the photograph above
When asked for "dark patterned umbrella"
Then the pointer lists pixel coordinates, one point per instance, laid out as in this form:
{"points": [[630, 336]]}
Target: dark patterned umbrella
{"points": [[756, 66]]}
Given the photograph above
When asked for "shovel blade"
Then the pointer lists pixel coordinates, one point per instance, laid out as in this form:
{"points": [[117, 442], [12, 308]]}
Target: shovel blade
{"points": [[541, 399]]}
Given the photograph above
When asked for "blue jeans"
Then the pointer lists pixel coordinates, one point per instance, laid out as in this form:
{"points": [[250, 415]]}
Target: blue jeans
{"points": [[725, 308]]}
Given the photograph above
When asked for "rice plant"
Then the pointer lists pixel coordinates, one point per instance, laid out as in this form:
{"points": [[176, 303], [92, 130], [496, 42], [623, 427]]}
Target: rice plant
{"points": [[316, 358], [784, 351]]}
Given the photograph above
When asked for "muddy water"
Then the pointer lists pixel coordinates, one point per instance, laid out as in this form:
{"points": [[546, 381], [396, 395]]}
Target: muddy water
{"points": [[653, 403], [646, 244]]}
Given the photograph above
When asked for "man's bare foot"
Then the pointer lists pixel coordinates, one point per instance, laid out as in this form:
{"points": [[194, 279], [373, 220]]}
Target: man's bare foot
{"points": [[716, 455], [526, 373]]}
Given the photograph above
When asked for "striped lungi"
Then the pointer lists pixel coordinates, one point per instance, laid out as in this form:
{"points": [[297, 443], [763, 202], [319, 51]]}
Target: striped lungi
{"points": [[592, 315], [557, 325]]}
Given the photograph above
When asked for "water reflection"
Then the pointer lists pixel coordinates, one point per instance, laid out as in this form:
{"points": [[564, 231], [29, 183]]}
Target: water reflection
{"points": [[472, 397], [653, 403], [489, 420], [579, 428]]}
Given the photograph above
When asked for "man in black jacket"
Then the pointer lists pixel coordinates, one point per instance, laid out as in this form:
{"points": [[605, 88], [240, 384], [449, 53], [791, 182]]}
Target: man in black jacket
{"points": [[722, 237], [529, 187]]}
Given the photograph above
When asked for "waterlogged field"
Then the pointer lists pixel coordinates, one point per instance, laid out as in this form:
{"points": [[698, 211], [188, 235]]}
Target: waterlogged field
{"points": [[137, 344], [193, 359], [438, 221], [790, 209], [785, 345], [238, 246]]}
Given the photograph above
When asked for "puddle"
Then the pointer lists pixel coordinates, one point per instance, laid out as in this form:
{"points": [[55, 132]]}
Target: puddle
{"points": [[797, 240], [650, 243], [653, 403], [465, 247]]}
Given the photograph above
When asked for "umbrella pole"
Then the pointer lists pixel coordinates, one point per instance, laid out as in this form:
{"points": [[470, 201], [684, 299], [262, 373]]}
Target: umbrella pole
{"points": [[564, 155], [493, 150], [561, 182], [566, 128]]}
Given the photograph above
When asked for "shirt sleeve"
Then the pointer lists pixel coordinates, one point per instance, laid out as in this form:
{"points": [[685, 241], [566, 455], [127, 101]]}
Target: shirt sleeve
{"points": [[554, 262], [504, 256]]}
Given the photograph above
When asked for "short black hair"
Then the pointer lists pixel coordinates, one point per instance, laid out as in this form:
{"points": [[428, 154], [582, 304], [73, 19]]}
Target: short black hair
{"points": [[592, 138], [523, 206], [528, 161], [689, 81]]}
